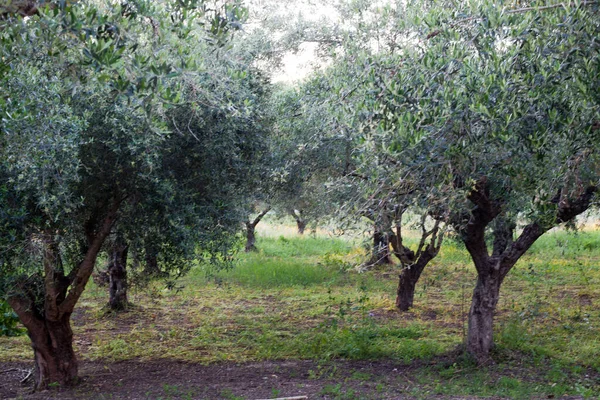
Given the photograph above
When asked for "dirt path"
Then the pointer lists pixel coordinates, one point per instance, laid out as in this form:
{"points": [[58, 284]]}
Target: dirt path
{"points": [[251, 381]]}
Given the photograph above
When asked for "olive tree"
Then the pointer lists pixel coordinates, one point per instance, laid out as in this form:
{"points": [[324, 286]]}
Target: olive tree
{"points": [[89, 96], [493, 111]]}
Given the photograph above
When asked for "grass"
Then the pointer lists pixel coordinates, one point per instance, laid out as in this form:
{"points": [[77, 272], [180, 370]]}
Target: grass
{"points": [[301, 298]]}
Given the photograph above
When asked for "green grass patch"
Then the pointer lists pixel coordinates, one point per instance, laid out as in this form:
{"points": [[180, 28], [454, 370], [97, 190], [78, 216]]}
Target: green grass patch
{"points": [[302, 298]]}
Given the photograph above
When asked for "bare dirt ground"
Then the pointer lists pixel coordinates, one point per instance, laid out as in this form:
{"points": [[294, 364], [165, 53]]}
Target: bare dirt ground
{"points": [[251, 381]]}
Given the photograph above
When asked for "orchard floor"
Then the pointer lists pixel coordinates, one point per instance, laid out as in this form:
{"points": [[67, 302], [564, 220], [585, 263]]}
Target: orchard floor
{"points": [[258, 380], [297, 319]]}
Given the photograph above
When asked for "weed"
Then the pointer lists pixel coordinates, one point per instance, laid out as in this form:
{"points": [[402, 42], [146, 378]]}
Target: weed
{"points": [[228, 395]]}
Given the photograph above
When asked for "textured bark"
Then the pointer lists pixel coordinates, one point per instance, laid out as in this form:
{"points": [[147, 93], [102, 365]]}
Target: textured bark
{"points": [[55, 360], [406, 288], [117, 272], [414, 263], [250, 238], [481, 316]]}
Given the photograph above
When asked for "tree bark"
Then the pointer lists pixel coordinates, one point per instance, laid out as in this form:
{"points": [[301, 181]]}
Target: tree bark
{"points": [[301, 225], [55, 360], [407, 284], [117, 272], [414, 263], [480, 338], [250, 237], [380, 254], [492, 269], [251, 231], [151, 268], [47, 317]]}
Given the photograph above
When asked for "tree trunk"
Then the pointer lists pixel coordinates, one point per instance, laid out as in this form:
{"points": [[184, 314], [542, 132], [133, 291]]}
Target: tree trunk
{"points": [[55, 360], [52, 343], [251, 230], [491, 270], [481, 316], [117, 272], [301, 224], [250, 237], [45, 302], [151, 268], [406, 285], [380, 255]]}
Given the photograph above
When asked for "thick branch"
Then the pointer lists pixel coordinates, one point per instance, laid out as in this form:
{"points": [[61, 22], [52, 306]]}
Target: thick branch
{"points": [[473, 233], [51, 258], [260, 217], [24, 308], [567, 210], [86, 267]]}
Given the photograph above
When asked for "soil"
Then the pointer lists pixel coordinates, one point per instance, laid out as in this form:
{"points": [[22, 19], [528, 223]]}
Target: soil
{"points": [[166, 379]]}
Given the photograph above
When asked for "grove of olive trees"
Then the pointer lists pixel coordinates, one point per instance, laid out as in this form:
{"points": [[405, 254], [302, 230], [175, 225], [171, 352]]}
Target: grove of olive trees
{"points": [[144, 134]]}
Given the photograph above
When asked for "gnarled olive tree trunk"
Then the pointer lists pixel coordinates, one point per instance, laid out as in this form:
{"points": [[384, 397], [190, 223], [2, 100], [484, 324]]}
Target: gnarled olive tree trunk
{"points": [[52, 343], [492, 269], [300, 222], [47, 317], [380, 252]]}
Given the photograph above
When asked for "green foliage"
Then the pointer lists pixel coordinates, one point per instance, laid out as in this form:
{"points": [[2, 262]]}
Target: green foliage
{"points": [[8, 321]]}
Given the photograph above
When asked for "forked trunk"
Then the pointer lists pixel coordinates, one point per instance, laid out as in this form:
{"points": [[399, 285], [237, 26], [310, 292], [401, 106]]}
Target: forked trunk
{"points": [[46, 310], [117, 272], [251, 230], [51, 341], [300, 222], [481, 317], [250, 237], [506, 251]]}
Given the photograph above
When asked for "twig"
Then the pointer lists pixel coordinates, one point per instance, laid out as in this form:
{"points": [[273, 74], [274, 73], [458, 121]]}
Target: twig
{"points": [[27, 377], [289, 398]]}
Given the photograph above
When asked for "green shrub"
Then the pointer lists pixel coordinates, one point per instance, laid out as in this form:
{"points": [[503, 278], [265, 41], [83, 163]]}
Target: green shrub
{"points": [[8, 321]]}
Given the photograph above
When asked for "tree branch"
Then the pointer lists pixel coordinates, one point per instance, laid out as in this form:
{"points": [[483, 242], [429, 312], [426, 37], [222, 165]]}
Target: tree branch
{"points": [[86, 266], [260, 217]]}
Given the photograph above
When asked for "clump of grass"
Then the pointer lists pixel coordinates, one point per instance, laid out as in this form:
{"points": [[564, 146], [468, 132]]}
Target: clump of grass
{"points": [[258, 272]]}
